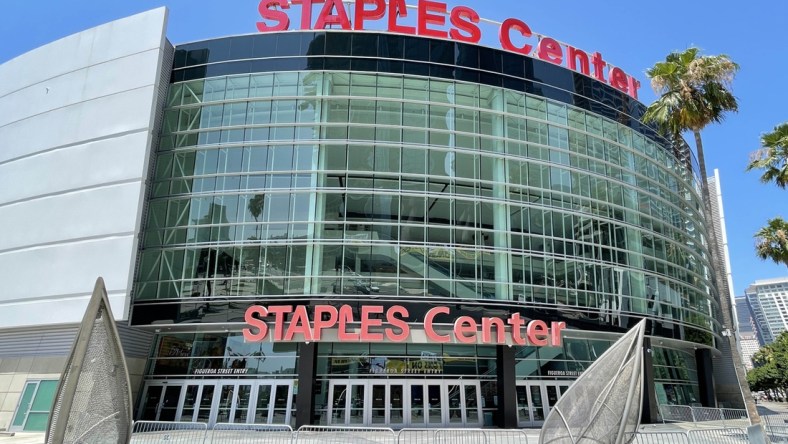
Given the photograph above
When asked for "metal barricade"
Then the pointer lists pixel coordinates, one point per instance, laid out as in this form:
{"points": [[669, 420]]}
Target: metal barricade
{"points": [[728, 435], [150, 432], [735, 417], [344, 435], [251, 434], [777, 433], [777, 419], [705, 414], [659, 438], [416, 436], [460, 436], [506, 436], [675, 413]]}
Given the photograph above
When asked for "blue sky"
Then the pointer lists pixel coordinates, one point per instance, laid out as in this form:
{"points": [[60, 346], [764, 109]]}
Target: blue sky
{"points": [[631, 35]]}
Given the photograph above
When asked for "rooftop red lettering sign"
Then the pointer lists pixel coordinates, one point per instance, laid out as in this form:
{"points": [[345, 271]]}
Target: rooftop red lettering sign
{"points": [[435, 19], [374, 323]]}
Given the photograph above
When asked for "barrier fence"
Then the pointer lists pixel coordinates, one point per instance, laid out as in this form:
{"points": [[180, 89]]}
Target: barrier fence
{"points": [[154, 432], [145, 432], [730, 435], [724, 417], [250, 434]]}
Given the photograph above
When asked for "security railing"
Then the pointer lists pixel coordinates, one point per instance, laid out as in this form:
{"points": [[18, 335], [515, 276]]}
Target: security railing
{"points": [[150, 432], [343, 435], [153, 432], [250, 434], [722, 417], [729, 435]]}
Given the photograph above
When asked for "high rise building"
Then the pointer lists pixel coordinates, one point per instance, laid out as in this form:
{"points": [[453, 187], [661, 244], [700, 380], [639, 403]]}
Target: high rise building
{"points": [[379, 227], [727, 382], [768, 300], [749, 346], [745, 322]]}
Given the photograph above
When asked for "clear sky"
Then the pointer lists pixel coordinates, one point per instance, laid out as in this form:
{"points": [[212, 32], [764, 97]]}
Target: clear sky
{"points": [[632, 35]]}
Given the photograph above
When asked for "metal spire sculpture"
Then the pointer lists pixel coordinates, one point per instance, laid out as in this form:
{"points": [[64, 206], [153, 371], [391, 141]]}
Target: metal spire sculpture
{"points": [[93, 401], [604, 404]]}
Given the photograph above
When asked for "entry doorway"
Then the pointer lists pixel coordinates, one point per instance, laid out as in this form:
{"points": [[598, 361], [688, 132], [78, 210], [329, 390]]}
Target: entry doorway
{"points": [[401, 403], [535, 399], [219, 401]]}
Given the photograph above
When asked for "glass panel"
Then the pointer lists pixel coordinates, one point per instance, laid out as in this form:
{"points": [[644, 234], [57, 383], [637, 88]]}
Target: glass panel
{"points": [[225, 403], [396, 405], [36, 422], [552, 396], [455, 405], [378, 404], [27, 399], [206, 400], [356, 404], [417, 404], [172, 395], [537, 411], [471, 405], [263, 404], [44, 397], [189, 403], [434, 404], [242, 403], [281, 404], [338, 411], [522, 404]]}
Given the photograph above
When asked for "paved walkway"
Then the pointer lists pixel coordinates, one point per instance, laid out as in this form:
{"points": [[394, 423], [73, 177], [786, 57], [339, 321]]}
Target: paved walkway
{"points": [[763, 408]]}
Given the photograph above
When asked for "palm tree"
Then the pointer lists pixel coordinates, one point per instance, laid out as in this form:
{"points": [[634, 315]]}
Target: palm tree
{"points": [[694, 92], [773, 156], [255, 206], [771, 241]]}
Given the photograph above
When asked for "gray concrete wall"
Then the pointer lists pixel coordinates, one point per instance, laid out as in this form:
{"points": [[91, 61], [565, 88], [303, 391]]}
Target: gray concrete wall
{"points": [[76, 133]]}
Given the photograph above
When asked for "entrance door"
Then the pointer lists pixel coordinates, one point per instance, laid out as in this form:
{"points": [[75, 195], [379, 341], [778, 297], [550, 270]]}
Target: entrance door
{"points": [[535, 400], [405, 403], [347, 402], [215, 401], [161, 402]]}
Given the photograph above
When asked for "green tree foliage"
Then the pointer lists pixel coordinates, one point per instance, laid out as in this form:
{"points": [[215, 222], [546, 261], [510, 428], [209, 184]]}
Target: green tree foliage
{"points": [[771, 241], [694, 92], [772, 158], [771, 371]]}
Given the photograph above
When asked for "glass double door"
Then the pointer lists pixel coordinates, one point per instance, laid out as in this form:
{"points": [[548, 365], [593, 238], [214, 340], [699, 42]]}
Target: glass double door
{"points": [[405, 403], [535, 400], [219, 401]]}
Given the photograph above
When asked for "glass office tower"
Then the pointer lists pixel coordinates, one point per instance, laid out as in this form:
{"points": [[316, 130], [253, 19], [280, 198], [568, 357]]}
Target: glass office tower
{"points": [[306, 168]]}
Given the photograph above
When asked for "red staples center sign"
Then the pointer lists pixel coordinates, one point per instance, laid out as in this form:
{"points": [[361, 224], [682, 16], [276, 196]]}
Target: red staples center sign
{"points": [[377, 324], [434, 19]]}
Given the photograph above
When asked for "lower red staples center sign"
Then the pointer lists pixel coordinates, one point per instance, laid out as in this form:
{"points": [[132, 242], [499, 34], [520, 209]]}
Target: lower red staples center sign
{"points": [[375, 323]]}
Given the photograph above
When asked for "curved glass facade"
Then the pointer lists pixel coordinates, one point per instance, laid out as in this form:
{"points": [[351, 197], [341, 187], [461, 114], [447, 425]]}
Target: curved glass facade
{"points": [[455, 185]]}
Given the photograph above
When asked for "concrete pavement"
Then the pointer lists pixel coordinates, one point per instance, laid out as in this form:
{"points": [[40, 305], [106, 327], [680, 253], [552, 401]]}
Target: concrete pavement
{"points": [[764, 408]]}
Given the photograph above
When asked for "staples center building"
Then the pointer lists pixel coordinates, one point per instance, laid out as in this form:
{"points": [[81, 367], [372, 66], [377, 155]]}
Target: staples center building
{"points": [[397, 227]]}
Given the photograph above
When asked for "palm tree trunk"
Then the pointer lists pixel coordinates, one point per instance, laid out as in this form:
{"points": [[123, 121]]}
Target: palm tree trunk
{"points": [[718, 264]]}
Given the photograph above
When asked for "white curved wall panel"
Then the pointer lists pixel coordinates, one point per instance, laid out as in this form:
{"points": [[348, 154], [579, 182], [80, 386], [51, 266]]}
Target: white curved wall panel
{"points": [[76, 131]]}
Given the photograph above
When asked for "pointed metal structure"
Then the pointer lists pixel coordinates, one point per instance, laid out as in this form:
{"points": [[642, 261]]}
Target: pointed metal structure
{"points": [[93, 401], [604, 405]]}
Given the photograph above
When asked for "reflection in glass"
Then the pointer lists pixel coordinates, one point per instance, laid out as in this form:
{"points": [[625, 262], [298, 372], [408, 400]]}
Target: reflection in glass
{"points": [[434, 404], [263, 408]]}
